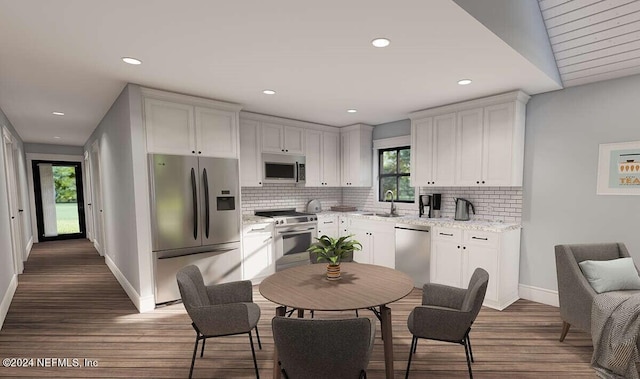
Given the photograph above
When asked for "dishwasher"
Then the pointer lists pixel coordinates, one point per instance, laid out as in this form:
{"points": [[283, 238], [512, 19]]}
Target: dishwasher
{"points": [[413, 252]]}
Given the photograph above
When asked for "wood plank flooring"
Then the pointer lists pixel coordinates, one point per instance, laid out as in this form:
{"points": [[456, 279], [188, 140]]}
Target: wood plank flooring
{"points": [[69, 305]]}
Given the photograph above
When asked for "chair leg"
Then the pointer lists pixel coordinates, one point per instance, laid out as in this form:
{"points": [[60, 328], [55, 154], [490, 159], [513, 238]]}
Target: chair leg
{"points": [[312, 313], [193, 359], [412, 350], [466, 352], [359, 316], [253, 352], [202, 351], [258, 335], [468, 340], [565, 330]]}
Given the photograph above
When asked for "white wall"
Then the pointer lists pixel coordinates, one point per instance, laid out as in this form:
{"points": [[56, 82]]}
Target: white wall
{"points": [[42, 148], [121, 176], [560, 205]]}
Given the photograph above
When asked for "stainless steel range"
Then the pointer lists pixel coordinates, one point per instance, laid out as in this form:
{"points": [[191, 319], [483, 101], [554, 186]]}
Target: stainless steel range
{"points": [[294, 233]]}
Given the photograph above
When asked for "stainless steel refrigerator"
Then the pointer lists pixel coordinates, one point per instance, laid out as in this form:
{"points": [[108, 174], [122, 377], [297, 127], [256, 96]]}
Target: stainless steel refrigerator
{"points": [[195, 219]]}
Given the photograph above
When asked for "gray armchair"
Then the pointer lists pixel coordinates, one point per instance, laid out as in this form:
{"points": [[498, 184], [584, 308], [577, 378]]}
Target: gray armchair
{"points": [[323, 349], [574, 291], [218, 310], [446, 314]]}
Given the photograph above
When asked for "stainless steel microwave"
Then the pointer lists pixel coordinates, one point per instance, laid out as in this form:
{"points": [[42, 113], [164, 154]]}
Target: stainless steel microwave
{"points": [[280, 168]]}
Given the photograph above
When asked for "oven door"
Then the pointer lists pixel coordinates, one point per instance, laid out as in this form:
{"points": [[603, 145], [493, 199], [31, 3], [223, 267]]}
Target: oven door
{"points": [[292, 243]]}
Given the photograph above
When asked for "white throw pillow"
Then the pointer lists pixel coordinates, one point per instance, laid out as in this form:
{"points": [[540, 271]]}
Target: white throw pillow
{"points": [[612, 275]]}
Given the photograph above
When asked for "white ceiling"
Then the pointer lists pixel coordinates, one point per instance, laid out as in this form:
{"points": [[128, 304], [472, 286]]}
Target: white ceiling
{"points": [[593, 39], [65, 56]]}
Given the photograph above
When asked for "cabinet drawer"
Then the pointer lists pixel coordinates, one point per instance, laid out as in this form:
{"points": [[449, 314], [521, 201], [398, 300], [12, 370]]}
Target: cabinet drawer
{"points": [[327, 221], [480, 238], [448, 234], [250, 229]]}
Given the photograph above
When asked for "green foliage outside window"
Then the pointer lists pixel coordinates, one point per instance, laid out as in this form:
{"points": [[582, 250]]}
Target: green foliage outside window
{"points": [[64, 179], [394, 173]]}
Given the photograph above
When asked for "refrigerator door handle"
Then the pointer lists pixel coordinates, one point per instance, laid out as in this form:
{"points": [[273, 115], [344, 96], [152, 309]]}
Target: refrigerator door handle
{"points": [[195, 203], [206, 202]]}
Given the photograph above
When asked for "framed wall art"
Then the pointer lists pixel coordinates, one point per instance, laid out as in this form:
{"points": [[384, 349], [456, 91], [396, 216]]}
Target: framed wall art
{"points": [[619, 168]]}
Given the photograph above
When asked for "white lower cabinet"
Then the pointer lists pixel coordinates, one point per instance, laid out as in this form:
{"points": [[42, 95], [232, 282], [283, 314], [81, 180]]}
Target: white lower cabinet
{"points": [[257, 251], [328, 225], [377, 239], [456, 253]]}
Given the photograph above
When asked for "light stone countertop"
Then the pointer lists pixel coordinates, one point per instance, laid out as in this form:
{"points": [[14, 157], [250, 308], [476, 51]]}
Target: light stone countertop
{"points": [[253, 219], [483, 225]]}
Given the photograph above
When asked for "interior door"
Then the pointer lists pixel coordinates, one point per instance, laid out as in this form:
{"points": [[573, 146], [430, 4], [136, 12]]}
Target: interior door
{"points": [[98, 216], [14, 220]]}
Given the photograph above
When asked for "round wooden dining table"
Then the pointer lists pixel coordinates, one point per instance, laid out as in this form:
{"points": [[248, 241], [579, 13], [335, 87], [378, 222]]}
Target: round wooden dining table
{"points": [[361, 286]]}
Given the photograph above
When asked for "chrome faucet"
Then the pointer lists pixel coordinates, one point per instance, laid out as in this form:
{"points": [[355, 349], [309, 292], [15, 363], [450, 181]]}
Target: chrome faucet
{"points": [[393, 211]]}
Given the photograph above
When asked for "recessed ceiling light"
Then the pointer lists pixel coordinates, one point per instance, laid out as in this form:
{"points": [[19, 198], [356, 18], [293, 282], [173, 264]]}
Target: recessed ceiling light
{"points": [[269, 92], [352, 110], [464, 82], [58, 113], [380, 42], [131, 60], [56, 137]]}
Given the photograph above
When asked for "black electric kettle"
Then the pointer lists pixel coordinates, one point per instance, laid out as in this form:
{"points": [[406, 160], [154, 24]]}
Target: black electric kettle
{"points": [[462, 209]]}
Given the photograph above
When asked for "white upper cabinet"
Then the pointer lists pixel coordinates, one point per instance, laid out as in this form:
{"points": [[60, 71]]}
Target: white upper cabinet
{"points": [[282, 139], [357, 155], [216, 132], [250, 154], [469, 148], [322, 159], [187, 125], [170, 127], [433, 151], [475, 143]]}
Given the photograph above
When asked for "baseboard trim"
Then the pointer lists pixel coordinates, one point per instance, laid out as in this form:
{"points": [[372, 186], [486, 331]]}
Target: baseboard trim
{"points": [[28, 248], [539, 295], [7, 298], [143, 303]]}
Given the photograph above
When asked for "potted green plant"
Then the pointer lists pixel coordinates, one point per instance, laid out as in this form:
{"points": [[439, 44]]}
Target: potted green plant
{"points": [[332, 250]]}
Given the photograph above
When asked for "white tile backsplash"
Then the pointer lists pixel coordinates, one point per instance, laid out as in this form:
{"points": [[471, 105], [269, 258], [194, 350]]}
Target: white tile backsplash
{"points": [[271, 196], [491, 203]]}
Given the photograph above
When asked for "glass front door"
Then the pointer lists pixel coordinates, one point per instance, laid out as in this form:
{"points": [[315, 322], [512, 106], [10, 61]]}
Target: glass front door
{"points": [[59, 200]]}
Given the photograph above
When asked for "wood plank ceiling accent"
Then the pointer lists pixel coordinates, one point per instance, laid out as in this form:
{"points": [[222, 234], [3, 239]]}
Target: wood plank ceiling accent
{"points": [[593, 40]]}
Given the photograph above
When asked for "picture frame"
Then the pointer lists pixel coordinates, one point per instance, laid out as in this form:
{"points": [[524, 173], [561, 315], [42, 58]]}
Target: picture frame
{"points": [[619, 168]]}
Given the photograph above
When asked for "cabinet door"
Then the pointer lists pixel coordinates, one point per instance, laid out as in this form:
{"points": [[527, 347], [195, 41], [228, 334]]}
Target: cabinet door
{"points": [[364, 237], [469, 148], [328, 225], [313, 162], [345, 174], [330, 159], [272, 138], [487, 258], [421, 152], [169, 127], [216, 133], [351, 159], [250, 156], [446, 263], [497, 157], [383, 245], [257, 255], [293, 140], [444, 150], [343, 225]]}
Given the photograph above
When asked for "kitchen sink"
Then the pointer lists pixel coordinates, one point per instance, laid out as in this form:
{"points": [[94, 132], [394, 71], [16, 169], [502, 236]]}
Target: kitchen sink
{"points": [[386, 215]]}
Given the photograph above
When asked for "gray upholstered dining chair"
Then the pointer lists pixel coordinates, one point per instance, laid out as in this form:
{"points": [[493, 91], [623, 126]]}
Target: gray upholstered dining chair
{"points": [[447, 313], [218, 310], [574, 291], [323, 349]]}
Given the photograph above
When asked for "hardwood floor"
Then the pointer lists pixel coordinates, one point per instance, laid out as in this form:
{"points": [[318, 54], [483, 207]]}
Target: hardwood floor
{"points": [[69, 305]]}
